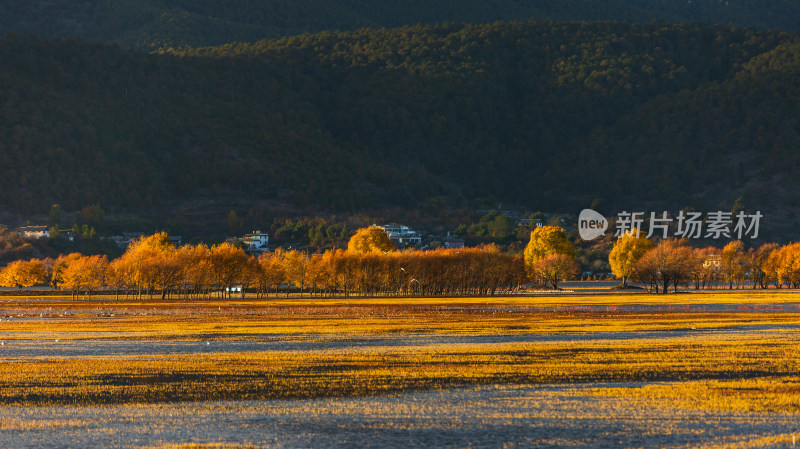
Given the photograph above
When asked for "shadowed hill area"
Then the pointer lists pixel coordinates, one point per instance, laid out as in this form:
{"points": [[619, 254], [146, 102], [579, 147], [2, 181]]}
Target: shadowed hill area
{"points": [[179, 23], [546, 114]]}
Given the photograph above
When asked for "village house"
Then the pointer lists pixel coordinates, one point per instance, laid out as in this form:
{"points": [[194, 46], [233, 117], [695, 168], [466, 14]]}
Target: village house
{"points": [[35, 232], [256, 242], [401, 235]]}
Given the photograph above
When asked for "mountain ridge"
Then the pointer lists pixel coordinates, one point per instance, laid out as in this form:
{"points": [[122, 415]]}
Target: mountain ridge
{"points": [[153, 24]]}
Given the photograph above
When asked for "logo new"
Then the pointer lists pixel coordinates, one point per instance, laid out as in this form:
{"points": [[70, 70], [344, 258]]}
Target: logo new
{"points": [[591, 224]]}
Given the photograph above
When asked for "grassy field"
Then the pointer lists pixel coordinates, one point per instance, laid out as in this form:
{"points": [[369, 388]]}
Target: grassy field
{"points": [[689, 354]]}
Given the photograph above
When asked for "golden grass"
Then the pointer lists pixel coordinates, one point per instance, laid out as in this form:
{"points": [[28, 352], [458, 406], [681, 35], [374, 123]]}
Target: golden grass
{"points": [[773, 393], [697, 360]]}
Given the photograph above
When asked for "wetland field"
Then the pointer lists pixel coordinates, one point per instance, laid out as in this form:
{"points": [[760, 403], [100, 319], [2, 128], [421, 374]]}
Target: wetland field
{"points": [[711, 370]]}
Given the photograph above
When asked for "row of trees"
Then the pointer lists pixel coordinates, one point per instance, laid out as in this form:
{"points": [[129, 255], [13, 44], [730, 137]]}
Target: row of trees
{"points": [[550, 258], [673, 263], [370, 266]]}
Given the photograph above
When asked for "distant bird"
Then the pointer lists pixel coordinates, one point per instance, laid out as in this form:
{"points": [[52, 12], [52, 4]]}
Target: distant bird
{"points": [[208, 343]]}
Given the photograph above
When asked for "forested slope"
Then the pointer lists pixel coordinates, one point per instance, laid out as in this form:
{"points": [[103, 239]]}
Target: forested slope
{"points": [[544, 114]]}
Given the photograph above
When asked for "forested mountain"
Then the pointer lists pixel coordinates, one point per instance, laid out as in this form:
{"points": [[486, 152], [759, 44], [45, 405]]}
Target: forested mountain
{"points": [[179, 23], [543, 114]]}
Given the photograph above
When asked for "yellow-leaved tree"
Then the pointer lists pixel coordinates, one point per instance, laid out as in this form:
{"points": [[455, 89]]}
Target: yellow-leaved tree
{"points": [[546, 241], [671, 262], [556, 268], [85, 273], [272, 273], [370, 240], [628, 249], [733, 261], [229, 267], [59, 266], [196, 268], [22, 273], [784, 266], [295, 265], [140, 267]]}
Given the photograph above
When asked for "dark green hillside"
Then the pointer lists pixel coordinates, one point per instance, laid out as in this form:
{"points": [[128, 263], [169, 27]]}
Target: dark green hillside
{"points": [[551, 114], [83, 124], [180, 23], [741, 135], [544, 114]]}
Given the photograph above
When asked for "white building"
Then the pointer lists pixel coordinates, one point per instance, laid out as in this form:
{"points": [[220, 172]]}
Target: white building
{"points": [[35, 232], [402, 235], [256, 241]]}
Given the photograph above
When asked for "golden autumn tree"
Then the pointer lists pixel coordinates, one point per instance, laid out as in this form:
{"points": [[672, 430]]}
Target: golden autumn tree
{"points": [[229, 266], [59, 265], [556, 268], [22, 273], [195, 261], [370, 240], [759, 263], [168, 270], [250, 273], [671, 262], [139, 266], [85, 273], [317, 274], [784, 265], [325, 275], [344, 265], [546, 241], [295, 265], [628, 249], [118, 277], [732, 263], [272, 273]]}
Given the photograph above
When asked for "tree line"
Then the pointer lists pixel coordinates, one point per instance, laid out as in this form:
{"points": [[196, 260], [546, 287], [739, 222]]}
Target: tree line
{"points": [[670, 263], [152, 266], [371, 265], [674, 263]]}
